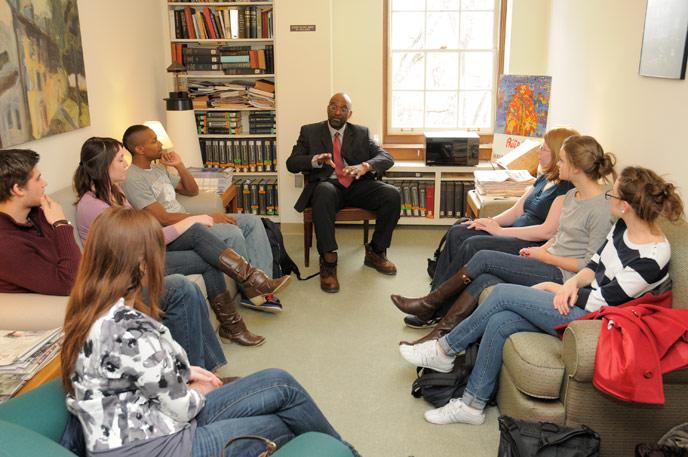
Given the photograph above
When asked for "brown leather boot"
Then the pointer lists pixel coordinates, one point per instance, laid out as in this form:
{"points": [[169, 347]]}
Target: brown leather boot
{"points": [[255, 283], [460, 310], [328, 272], [379, 261], [232, 326], [424, 308]]}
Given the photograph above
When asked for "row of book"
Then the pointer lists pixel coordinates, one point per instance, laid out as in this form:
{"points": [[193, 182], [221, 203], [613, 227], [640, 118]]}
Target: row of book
{"points": [[254, 155], [235, 123], [454, 198], [257, 196], [225, 60], [221, 22], [234, 95], [23, 354], [418, 198]]}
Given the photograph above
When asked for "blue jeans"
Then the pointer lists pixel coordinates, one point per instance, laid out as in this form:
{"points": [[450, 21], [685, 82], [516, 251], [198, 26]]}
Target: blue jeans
{"points": [[248, 238], [185, 314], [507, 310], [488, 268], [269, 403], [463, 243]]}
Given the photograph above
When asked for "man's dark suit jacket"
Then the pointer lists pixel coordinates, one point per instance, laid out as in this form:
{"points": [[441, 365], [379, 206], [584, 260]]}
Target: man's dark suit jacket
{"points": [[357, 147]]}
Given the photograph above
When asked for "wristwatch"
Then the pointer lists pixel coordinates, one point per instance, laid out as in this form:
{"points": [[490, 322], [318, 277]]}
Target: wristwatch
{"points": [[60, 223]]}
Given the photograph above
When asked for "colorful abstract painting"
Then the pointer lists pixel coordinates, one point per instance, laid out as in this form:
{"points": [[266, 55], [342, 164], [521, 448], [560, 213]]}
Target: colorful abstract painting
{"points": [[42, 77], [522, 105]]}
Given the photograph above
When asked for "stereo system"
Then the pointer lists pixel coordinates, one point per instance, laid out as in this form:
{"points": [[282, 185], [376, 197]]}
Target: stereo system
{"points": [[451, 148]]}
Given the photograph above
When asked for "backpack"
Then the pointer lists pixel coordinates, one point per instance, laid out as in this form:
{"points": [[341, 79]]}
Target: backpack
{"points": [[432, 263], [282, 264], [438, 388]]}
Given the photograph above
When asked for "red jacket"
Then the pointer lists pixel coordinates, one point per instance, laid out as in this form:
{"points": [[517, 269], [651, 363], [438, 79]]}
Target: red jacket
{"points": [[639, 341]]}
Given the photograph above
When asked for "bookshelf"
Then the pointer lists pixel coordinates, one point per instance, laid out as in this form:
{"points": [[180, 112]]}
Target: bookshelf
{"points": [[227, 49], [416, 172]]}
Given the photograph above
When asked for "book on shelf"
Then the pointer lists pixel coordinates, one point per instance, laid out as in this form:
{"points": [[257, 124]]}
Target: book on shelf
{"points": [[421, 199], [430, 200], [221, 22], [258, 196], [459, 209], [443, 199]]}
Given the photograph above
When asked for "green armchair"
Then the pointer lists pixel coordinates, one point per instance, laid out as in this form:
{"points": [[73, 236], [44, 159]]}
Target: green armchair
{"points": [[31, 426]]}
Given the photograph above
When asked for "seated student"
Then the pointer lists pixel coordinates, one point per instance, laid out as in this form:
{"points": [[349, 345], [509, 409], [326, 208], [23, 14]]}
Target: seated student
{"points": [[41, 256], [532, 220], [192, 248], [585, 220], [132, 387], [633, 260], [149, 186]]}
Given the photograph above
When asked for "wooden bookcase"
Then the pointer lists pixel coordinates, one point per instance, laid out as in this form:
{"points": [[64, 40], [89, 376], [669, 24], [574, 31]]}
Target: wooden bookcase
{"points": [[219, 79]]}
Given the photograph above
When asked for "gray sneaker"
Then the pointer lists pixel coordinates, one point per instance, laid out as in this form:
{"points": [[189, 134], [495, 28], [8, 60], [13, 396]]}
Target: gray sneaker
{"points": [[272, 305]]}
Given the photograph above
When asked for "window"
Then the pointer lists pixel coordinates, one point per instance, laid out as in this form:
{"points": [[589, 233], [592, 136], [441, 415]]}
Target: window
{"points": [[442, 61]]}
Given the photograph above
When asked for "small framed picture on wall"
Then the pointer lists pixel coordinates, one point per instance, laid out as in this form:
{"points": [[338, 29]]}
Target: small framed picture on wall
{"points": [[665, 39]]}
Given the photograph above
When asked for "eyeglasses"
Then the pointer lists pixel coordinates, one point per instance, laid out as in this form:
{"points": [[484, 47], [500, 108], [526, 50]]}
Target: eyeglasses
{"points": [[332, 107], [608, 196]]}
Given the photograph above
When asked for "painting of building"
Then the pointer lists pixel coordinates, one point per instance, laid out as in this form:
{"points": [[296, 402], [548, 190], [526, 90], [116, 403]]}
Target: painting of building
{"points": [[42, 77]]}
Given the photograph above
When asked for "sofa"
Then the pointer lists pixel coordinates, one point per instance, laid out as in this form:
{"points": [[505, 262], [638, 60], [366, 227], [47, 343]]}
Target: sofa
{"points": [[31, 425], [544, 378], [41, 312]]}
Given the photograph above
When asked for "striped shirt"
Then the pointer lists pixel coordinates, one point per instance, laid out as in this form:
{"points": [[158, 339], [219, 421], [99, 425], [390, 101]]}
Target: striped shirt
{"points": [[624, 270]]}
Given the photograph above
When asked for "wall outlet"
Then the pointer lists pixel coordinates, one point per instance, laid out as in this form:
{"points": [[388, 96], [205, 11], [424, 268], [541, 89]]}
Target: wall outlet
{"points": [[298, 181]]}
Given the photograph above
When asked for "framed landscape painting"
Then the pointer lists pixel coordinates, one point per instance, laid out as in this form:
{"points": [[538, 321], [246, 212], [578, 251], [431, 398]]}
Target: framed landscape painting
{"points": [[42, 76], [665, 39]]}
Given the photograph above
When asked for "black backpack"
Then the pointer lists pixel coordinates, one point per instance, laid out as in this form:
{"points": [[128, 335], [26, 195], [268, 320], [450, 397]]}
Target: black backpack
{"points": [[438, 388], [282, 264], [432, 263]]}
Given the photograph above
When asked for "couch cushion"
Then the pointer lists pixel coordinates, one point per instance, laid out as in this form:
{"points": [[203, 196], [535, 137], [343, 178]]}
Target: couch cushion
{"points": [[535, 364]]}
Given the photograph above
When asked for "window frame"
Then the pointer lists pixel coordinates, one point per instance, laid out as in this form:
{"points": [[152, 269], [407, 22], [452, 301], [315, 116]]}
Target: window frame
{"points": [[414, 137]]}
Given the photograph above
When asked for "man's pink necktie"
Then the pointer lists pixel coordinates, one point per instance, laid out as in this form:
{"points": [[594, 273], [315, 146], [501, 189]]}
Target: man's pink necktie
{"points": [[344, 179]]}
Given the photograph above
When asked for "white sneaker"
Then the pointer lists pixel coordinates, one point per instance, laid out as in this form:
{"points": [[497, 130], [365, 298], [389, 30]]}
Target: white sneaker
{"points": [[453, 412], [427, 354]]}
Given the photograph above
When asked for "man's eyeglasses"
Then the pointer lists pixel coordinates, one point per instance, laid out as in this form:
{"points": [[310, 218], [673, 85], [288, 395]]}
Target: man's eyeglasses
{"points": [[333, 108], [608, 196]]}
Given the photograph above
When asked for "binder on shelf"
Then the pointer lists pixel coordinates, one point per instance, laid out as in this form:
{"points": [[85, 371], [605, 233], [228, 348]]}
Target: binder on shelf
{"points": [[262, 198], [458, 199], [421, 199], [415, 204], [443, 199], [430, 200], [450, 198], [467, 187]]}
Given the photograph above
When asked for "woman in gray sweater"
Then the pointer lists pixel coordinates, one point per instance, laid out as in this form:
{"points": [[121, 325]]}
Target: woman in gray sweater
{"points": [[585, 221]]}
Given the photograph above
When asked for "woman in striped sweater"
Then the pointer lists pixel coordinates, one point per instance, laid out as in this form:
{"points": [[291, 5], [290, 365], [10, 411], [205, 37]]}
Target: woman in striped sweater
{"points": [[633, 260]]}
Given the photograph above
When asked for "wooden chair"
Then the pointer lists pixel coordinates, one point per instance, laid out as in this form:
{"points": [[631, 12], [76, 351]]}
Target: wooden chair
{"points": [[343, 215]]}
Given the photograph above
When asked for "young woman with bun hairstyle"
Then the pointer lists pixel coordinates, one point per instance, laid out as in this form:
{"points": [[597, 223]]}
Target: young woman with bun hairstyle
{"points": [[584, 222], [633, 260], [531, 221]]}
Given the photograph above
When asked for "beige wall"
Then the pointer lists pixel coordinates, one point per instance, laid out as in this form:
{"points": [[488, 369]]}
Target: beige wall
{"points": [[594, 53], [527, 37], [123, 59]]}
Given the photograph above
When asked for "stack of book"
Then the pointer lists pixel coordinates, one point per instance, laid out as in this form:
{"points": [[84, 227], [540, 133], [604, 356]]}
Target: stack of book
{"points": [[23, 354], [502, 183], [262, 94], [234, 95], [221, 22], [257, 196], [225, 60], [218, 123], [253, 155], [212, 179], [417, 197], [262, 123]]}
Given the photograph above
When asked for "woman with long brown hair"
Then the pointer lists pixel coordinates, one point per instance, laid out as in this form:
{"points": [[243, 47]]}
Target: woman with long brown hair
{"points": [[131, 385], [192, 248], [633, 260]]}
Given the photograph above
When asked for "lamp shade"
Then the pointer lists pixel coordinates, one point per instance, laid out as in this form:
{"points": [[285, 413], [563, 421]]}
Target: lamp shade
{"points": [[162, 135], [182, 128]]}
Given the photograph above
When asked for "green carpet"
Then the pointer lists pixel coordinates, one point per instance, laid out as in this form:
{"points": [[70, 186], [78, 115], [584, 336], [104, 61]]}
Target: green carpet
{"points": [[343, 348]]}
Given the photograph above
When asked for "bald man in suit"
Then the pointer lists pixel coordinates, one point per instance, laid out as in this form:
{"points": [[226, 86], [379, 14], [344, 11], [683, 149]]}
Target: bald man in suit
{"points": [[341, 161]]}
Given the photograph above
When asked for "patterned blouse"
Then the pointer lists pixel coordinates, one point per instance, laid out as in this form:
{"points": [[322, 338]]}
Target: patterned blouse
{"points": [[130, 382]]}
